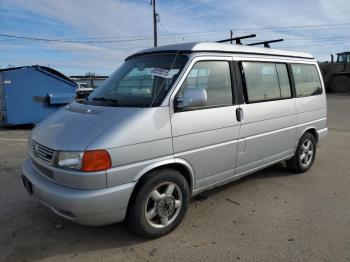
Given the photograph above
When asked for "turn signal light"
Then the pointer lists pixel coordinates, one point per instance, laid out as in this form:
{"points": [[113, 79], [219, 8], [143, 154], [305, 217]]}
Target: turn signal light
{"points": [[96, 160]]}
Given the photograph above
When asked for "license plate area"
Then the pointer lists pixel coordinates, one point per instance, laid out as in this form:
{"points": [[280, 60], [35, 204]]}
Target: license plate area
{"points": [[27, 185]]}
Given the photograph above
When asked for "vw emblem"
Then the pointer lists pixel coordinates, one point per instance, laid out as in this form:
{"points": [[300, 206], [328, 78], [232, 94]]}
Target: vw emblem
{"points": [[36, 148]]}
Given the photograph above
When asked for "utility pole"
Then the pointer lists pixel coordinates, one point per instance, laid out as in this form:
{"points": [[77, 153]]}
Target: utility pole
{"points": [[155, 17], [231, 35]]}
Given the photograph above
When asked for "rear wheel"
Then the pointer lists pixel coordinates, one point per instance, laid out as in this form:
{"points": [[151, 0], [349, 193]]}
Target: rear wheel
{"points": [[341, 84], [160, 204], [304, 155]]}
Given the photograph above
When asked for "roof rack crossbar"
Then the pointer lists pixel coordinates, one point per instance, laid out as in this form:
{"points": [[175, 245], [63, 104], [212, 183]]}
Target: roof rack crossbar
{"points": [[237, 39], [267, 43]]}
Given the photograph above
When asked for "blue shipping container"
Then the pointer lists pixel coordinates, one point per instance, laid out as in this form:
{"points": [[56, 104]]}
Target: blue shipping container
{"points": [[30, 94]]}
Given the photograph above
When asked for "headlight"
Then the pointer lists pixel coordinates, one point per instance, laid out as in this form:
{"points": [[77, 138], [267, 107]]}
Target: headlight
{"points": [[70, 159], [88, 161]]}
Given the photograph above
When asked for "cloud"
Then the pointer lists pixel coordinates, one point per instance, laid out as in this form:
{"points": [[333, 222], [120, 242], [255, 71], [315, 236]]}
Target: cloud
{"points": [[104, 18], [336, 10], [118, 19]]}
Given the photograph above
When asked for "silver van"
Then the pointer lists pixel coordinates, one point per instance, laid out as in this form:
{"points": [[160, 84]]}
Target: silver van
{"points": [[172, 122]]}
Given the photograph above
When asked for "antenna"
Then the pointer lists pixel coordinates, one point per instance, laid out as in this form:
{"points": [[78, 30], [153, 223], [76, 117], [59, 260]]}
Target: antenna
{"points": [[237, 39], [267, 43]]}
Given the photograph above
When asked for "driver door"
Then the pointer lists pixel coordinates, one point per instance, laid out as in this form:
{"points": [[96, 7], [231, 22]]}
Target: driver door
{"points": [[206, 136]]}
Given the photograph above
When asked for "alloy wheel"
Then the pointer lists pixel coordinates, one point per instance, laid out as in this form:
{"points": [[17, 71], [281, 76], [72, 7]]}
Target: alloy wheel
{"points": [[306, 153], [163, 205]]}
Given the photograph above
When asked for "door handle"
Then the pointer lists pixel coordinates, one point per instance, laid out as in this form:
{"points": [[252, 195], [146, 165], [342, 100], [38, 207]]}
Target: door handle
{"points": [[239, 114]]}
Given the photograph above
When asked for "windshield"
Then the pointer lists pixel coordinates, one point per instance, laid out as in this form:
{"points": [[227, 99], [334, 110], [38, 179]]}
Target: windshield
{"points": [[140, 82]]}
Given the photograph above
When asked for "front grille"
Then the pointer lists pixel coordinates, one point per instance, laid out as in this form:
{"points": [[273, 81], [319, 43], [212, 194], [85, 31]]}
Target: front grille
{"points": [[43, 170], [42, 152]]}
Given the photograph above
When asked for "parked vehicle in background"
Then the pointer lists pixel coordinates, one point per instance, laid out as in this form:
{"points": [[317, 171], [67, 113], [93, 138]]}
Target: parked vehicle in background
{"points": [[172, 122], [83, 90], [336, 75]]}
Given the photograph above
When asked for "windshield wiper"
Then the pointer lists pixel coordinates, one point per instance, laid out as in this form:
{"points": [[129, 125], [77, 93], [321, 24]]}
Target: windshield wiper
{"points": [[104, 99]]}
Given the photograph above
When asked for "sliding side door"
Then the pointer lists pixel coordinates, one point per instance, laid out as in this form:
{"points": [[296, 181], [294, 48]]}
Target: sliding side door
{"points": [[269, 115]]}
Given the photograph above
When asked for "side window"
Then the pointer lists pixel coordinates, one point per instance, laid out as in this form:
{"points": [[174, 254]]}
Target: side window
{"points": [[215, 78], [307, 81], [341, 58], [265, 81]]}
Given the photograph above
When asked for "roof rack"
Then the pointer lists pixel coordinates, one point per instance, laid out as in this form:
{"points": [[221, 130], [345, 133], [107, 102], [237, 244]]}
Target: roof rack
{"points": [[267, 43], [237, 39]]}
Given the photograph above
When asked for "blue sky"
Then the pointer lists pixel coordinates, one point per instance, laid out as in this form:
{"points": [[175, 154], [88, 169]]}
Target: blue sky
{"points": [[320, 27]]}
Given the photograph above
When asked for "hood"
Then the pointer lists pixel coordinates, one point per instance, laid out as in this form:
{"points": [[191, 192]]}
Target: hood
{"points": [[75, 126], [78, 127]]}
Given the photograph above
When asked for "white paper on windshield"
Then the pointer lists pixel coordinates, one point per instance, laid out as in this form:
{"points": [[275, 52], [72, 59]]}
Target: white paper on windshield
{"points": [[161, 72]]}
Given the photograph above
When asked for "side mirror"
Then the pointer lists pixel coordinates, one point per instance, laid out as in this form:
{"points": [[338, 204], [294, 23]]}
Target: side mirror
{"points": [[192, 97]]}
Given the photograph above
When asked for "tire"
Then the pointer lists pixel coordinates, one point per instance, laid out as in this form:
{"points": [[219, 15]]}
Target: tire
{"points": [[307, 148], [341, 84], [153, 214]]}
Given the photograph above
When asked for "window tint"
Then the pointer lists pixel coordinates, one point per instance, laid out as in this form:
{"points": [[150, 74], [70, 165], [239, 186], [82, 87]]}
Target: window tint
{"points": [[307, 81], [265, 81], [215, 78]]}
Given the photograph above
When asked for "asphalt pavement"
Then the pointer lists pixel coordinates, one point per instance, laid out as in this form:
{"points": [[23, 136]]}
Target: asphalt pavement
{"points": [[272, 215]]}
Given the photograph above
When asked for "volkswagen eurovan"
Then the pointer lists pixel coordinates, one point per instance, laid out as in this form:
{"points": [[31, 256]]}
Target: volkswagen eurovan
{"points": [[172, 122]]}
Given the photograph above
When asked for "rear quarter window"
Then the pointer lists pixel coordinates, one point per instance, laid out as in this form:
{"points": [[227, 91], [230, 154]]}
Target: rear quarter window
{"points": [[307, 80]]}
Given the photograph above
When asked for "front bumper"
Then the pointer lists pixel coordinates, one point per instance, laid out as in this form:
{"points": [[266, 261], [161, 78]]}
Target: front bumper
{"points": [[89, 207]]}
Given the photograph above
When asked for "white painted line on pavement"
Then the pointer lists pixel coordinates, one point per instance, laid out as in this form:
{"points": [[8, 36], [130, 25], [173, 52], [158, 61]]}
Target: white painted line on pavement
{"points": [[14, 139]]}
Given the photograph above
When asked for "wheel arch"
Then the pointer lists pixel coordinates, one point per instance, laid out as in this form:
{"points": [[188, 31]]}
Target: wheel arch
{"points": [[178, 164], [312, 130]]}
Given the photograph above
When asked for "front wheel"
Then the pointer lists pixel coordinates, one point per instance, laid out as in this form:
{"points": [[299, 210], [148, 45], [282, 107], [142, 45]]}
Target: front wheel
{"points": [[160, 203], [304, 155]]}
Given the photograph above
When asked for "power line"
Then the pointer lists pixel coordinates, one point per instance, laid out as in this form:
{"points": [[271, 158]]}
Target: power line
{"points": [[71, 41], [305, 39], [314, 45], [318, 27], [292, 27], [293, 40], [322, 41], [148, 37], [58, 50], [166, 31], [314, 39]]}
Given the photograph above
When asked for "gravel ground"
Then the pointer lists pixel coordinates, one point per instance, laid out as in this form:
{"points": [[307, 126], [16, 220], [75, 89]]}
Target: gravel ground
{"points": [[273, 215]]}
